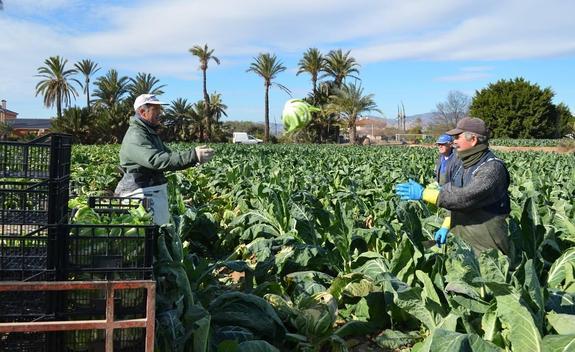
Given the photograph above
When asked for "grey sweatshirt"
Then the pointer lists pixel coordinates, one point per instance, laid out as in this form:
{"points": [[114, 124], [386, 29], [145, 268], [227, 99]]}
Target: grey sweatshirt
{"points": [[481, 229]]}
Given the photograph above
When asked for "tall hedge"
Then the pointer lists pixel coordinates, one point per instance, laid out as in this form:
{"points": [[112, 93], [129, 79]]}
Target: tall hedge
{"points": [[517, 109]]}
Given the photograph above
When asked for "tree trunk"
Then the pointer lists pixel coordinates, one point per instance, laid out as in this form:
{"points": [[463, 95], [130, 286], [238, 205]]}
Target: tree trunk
{"points": [[88, 94], [59, 104], [207, 110], [267, 115], [314, 83], [352, 134]]}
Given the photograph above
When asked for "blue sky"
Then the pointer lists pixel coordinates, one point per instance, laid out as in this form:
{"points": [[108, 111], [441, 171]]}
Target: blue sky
{"points": [[410, 51]]}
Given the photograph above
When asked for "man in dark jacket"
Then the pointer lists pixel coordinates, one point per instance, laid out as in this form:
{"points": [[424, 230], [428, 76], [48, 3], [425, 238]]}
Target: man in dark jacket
{"points": [[446, 159], [144, 158], [477, 194]]}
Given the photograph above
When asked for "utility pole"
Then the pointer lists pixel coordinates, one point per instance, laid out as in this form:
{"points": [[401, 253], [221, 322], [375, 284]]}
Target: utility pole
{"points": [[401, 118]]}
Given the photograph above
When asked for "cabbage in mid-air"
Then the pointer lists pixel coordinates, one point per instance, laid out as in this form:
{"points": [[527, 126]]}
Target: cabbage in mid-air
{"points": [[297, 114]]}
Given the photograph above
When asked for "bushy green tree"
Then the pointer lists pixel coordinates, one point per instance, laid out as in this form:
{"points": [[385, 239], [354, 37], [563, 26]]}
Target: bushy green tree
{"points": [[253, 128], [5, 130], [516, 109], [566, 120]]}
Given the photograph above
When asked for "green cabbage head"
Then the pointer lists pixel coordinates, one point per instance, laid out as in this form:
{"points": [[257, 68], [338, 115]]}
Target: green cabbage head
{"points": [[297, 114]]}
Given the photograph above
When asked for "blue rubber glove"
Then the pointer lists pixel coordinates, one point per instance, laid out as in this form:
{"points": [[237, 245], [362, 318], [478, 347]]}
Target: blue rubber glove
{"points": [[441, 236], [409, 191]]}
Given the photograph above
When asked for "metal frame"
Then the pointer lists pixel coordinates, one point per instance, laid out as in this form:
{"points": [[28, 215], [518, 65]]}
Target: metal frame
{"points": [[109, 324]]}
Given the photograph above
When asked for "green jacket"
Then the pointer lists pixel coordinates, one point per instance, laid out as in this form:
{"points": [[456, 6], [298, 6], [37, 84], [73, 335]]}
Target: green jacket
{"points": [[144, 158]]}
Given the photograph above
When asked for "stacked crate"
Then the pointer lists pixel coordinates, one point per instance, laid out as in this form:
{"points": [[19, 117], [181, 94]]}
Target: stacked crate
{"points": [[107, 252], [37, 243], [34, 187]]}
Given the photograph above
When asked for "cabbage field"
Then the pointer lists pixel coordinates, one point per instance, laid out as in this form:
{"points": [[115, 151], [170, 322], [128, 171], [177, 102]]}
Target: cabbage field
{"points": [[306, 248]]}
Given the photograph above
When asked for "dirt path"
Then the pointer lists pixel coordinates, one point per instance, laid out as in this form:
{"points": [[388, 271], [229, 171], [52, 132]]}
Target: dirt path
{"points": [[558, 150]]}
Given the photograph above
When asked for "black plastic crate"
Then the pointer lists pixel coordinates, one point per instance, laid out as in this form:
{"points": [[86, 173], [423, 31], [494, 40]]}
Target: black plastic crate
{"points": [[107, 252], [125, 340], [46, 157], [29, 342], [27, 202], [27, 306], [117, 205], [28, 252], [91, 304]]}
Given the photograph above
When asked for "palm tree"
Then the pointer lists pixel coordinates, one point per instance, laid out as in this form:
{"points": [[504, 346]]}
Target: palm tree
{"points": [[110, 89], [339, 66], [87, 68], [77, 122], [144, 83], [205, 55], [200, 110], [217, 107], [179, 119], [111, 123], [268, 66], [56, 86], [312, 63], [322, 121], [217, 111], [349, 103]]}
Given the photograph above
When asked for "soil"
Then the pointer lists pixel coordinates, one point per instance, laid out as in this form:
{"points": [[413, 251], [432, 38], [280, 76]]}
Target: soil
{"points": [[558, 150]]}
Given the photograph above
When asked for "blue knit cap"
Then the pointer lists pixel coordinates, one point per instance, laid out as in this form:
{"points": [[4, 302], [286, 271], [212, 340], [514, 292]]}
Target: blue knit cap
{"points": [[444, 139]]}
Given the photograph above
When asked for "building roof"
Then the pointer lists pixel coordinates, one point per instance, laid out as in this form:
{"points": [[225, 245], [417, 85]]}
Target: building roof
{"points": [[8, 111], [368, 121], [30, 123]]}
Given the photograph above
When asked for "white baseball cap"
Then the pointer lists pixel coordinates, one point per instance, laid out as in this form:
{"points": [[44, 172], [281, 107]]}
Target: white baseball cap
{"points": [[147, 99]]}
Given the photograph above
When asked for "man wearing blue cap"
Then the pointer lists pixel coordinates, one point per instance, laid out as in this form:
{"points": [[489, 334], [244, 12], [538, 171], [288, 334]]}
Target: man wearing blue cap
{"points": [[445, 162], [477, 194]]}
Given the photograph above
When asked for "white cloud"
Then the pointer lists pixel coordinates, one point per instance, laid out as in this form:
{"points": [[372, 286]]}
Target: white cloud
{"points": [[465, 77], [154, 36], [448, 30], [467, 74], [36, 6], [510, 30]]}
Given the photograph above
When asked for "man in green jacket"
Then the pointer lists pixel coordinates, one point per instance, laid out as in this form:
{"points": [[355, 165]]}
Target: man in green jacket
{"points": [[144, 158], [477, 194]]}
